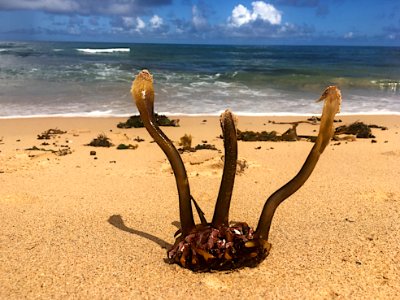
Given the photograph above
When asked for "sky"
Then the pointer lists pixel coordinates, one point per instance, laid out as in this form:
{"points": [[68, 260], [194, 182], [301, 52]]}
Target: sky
{"points": [[287, 22]]}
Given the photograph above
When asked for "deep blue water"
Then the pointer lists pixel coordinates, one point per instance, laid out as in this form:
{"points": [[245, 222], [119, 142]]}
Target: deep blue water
{"points": [[94, 78]]}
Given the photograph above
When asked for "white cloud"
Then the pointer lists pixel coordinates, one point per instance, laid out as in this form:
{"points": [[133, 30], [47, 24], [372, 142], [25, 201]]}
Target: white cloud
{"points": [[139, 24], [240, 16], [266, 12], [156, 21], [198, 20], [128, 21]]}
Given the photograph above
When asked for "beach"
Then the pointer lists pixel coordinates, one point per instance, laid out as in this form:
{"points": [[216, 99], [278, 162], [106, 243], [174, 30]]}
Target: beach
{"points": [[81, 225]]}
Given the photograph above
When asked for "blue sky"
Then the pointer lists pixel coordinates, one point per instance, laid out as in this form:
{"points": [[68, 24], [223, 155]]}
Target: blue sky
{"points": [[333, 22]]}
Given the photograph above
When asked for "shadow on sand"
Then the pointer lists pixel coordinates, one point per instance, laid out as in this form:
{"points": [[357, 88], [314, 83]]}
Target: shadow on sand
{"points": [[117, 221]]}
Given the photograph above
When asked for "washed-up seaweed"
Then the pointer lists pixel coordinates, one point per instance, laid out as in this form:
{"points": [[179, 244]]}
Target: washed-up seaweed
{"points": [[101, 141], [50, 133], [136, 122], [315, 120], [59, 152], [272, 136], [186, 145], [126, 147], [359, 129], [221, 244]]}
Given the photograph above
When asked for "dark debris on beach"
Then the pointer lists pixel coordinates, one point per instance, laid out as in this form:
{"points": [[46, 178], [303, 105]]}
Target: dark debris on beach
{"points": [[101, 141], [354, 130], [359, 129], [50, 133], [136, 122]]}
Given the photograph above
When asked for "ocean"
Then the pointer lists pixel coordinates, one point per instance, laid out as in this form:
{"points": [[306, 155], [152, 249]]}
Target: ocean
{"points": [[94, 79]]}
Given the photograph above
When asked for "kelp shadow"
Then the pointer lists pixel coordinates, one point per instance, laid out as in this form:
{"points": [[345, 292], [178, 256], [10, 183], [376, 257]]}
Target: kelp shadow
{"points": [[116, 221]]}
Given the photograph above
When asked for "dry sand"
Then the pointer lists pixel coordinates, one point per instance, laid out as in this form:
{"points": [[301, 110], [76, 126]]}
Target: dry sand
{"points": [[78, 227]]}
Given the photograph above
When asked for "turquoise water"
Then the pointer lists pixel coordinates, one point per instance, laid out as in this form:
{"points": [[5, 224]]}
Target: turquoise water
{"points": [[94, 79]]}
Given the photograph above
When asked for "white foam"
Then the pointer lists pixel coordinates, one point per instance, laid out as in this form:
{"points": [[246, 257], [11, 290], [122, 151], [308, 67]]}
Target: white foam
{"points": [[101, 51]]}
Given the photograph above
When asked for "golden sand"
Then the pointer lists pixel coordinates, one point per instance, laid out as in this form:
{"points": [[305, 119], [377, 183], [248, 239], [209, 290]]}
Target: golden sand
{"points": [[96, 226]]}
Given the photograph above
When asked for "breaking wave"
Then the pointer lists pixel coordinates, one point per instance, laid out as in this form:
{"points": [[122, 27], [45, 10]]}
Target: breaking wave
{"points": [[103, 51]]}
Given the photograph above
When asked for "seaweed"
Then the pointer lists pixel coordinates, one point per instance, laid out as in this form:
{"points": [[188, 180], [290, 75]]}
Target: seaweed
{"points": [[359, 129], [100, 141], [221, 244], [186, 142], [205, 146], [253, 136], [59, 152], [272, 136], [136, 122], [50, 133], [138, 139], [126, 147]]}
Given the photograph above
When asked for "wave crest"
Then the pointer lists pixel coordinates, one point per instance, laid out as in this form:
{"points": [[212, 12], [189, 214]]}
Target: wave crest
{"points": [[103, 51]]}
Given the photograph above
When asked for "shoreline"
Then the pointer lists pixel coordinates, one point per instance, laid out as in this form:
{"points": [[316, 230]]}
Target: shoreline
{"points": [[89, 115], [97, 226]]}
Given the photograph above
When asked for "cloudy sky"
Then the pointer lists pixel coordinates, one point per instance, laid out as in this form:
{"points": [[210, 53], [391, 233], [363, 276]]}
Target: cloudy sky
{"points": [[337, 22]]}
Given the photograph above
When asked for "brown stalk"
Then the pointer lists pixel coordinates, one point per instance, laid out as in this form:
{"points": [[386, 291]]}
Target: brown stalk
{"points": [[221, 212], [143, 93], [332, 98]]}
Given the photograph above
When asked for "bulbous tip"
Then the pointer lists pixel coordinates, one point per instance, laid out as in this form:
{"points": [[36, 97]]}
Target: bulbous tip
{"points": [[227, 114], [145, 75], [330, 92], [142, 86], [332, 95]]}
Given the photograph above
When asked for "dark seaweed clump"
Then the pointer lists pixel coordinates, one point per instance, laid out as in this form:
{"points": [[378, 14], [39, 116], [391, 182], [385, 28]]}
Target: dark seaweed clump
{"points": [[205, 147], [101, 141], [126, 147], [359, 129], [59, 152], [272, 136], [136, 122], [48, 134], [252, 136]]}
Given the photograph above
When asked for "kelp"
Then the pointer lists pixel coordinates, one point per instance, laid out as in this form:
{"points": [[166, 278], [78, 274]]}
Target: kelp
{"points": [[221, 244], [136, 122]]}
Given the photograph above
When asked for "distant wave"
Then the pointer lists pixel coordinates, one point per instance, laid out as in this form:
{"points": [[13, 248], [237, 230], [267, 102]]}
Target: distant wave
{"points": [[102, 51]]}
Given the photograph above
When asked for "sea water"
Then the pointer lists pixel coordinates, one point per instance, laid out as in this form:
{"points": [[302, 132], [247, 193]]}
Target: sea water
{"points": [[94, 79]]}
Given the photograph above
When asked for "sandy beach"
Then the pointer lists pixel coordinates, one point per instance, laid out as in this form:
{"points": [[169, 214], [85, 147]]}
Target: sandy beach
{"points": [[81, 226]]}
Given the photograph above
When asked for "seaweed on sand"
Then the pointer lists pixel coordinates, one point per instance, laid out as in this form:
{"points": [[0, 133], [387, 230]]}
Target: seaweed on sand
{"points": [[59, 152], [101, 141], [136, 122], [186, 142], [186, 145], [359, 129], [272, 136], [50, 133], [220, 244], [126, 147]]}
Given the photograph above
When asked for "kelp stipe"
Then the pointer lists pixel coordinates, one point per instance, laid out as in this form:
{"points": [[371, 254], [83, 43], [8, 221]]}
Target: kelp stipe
{"points": [[219, 245]]}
